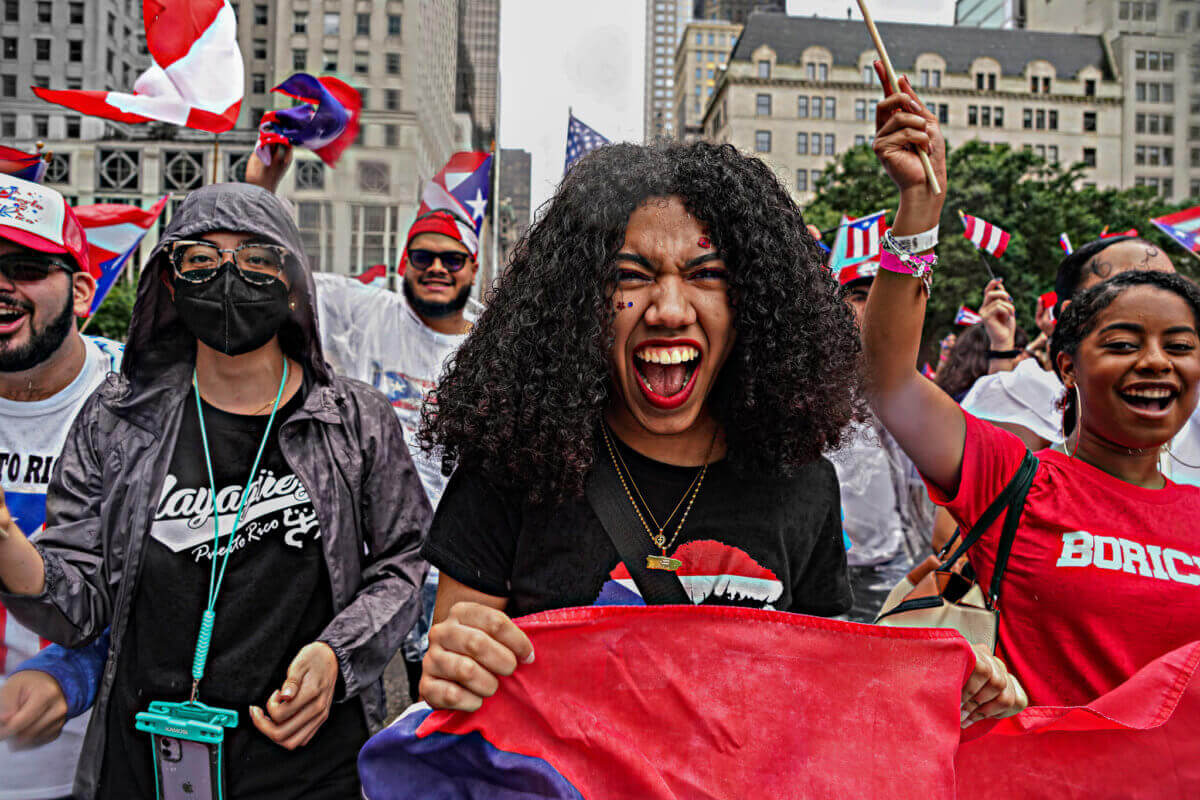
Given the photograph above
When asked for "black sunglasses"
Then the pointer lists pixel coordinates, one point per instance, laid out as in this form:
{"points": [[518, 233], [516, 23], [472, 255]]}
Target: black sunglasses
{"points": [[30, 267], [452, 260]]}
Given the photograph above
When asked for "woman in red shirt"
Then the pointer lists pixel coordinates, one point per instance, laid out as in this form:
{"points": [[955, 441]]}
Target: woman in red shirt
{"points": [[1104, 574]]}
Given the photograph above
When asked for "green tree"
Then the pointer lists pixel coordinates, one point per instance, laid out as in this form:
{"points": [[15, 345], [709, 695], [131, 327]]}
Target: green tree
{"points": [[1031, 199], [111, 320]]}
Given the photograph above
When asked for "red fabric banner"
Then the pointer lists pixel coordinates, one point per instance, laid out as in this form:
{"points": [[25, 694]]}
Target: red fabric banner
{"points": [[671, 702]]}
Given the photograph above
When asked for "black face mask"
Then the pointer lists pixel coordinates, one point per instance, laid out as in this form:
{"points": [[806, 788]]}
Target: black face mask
{"points": [[230, 314]]}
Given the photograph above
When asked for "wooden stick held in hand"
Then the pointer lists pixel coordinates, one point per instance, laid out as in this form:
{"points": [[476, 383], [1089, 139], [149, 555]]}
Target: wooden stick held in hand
{"points": [[930, 178]]}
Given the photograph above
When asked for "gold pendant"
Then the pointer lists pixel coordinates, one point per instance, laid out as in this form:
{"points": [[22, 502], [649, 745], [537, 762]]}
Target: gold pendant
{"points": [[663, 562]]}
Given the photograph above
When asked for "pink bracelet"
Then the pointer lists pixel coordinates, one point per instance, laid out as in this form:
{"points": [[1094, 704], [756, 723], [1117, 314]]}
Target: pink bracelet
{"points": [[914, 265]]}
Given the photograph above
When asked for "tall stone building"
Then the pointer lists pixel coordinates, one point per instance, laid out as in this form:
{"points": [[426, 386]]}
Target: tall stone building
{"points": [[479, 67], [400, 54], [700, 59], [800, 90], [665, 21], [736, 11], [1156, 51]]}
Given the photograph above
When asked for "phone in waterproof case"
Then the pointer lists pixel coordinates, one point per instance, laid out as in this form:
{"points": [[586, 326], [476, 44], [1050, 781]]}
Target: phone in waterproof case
{"points": [[186, 740], [187, 770]]}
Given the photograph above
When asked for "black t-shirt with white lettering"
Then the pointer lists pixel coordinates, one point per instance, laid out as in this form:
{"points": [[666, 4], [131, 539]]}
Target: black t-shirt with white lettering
{"points": [[760, 542], [275, 599]]}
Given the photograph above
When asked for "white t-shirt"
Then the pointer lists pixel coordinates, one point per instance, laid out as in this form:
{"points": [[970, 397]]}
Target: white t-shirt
{"points": [[32, 435], [1029, 395], [374, 336]]}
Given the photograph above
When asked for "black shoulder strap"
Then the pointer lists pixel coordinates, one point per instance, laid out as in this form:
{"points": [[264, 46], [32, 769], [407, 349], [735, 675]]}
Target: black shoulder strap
{"points": [[1011, 520], [1011, 500], [658, 587]]}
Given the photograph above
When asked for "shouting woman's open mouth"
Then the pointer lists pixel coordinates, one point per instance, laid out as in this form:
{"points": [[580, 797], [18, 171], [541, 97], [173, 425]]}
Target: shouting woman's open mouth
{"points": [[666, 370]]}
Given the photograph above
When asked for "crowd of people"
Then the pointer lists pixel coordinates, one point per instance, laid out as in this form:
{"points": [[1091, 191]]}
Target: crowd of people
{"points": [[281, 479]]}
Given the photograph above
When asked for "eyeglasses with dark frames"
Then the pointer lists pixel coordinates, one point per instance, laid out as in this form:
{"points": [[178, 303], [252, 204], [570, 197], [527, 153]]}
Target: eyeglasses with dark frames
{"points": [[199, 262]]}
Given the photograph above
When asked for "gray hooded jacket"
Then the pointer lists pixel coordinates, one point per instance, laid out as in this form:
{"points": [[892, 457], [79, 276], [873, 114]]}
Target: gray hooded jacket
{"points": [[345, 444]]}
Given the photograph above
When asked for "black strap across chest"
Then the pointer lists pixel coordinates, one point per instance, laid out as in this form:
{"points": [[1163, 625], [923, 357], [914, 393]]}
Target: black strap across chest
{"points": [[612, 507]]}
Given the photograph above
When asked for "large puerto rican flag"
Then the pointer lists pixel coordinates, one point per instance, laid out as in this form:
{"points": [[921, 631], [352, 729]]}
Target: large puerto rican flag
{"points": [[1183, 227], [19, 164], [984, 234], [463, 186], [114, 231], [196, 80], [326, 123], [718, 702]]}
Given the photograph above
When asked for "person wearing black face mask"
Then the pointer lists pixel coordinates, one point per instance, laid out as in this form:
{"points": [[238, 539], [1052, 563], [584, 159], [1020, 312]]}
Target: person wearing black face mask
{"points": [[228, 447]]}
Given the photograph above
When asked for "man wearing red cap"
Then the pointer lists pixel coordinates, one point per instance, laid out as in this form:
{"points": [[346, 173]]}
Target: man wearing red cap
{"points": [[399, 344], [47, 370], [885, 511]]}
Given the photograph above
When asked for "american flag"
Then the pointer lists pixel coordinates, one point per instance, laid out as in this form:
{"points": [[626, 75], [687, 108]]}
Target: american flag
{"points": [[1183, 227], [984, 234], [581, 140]]}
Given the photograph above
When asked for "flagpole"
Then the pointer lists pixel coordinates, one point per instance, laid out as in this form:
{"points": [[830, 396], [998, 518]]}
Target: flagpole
{"points": [[495, 189], [216, 155]]}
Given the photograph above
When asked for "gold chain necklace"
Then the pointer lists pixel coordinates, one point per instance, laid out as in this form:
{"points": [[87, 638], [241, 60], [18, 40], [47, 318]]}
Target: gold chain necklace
{"points": [[664, 561]]}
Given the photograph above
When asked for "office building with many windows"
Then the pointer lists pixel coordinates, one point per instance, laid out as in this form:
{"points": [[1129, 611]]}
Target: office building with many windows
{"points": [[700, 60], [665, 21], [1156, 50], [799, 91]]}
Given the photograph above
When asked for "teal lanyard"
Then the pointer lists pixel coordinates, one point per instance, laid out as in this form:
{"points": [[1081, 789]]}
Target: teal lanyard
{"points": [[204, 640]]}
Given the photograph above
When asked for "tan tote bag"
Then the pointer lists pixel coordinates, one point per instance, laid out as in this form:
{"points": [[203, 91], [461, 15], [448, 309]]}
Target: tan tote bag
{"points": [[936, 595]]}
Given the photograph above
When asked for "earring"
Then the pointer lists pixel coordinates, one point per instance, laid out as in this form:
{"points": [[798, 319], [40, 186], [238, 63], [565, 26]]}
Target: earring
{"points": [[1078, 419], [292, 304]]}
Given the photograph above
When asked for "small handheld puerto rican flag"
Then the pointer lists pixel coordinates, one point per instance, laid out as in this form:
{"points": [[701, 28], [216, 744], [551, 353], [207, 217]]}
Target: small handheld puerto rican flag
{"points": [[326, 123], [928, 372], [966, 316], [581, 139], [1047, 302], [114, 231], [196, 79], [1183, 227], [26, 166], [984, 235], [1065, 243], [1104, 234]]}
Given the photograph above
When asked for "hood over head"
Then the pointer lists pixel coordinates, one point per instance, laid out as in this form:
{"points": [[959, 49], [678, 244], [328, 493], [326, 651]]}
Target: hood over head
{"points": [[158, 338]]}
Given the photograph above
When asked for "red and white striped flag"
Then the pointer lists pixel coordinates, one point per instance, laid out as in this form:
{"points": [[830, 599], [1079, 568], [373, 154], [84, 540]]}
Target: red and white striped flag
{"points": [[197, 77], [864, 235], [984, 234]]}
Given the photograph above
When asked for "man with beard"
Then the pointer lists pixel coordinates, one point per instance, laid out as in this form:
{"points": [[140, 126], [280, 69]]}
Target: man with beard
{"points": [[398, 344], [47, 370]]}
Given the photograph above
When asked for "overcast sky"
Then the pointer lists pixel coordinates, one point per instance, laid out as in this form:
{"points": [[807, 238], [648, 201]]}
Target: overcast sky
{"points": [[588, 55]]}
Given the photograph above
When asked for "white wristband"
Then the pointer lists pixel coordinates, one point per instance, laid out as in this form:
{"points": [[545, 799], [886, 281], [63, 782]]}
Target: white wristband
{"points": [[918, 242]]}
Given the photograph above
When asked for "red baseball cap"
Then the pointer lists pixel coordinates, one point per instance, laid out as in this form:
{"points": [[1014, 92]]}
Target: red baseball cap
{"points": [[38, 217], [862, 271]]}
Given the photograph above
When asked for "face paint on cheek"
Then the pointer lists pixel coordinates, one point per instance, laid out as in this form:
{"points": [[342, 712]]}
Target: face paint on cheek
{"points": [[622, 306], [704, 242]]}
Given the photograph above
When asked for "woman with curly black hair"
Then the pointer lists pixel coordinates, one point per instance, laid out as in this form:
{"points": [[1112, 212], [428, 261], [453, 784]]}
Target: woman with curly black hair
{"points": [[1104, 538], [666, 330]]}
